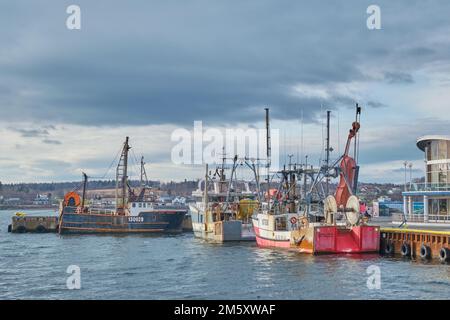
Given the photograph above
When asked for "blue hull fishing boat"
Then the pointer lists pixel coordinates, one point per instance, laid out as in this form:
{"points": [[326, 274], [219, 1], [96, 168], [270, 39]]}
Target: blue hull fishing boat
{"points": [[132, 213]]}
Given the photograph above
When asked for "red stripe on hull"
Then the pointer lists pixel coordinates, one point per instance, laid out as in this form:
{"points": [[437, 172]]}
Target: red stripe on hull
{"points": [[262, 242]]}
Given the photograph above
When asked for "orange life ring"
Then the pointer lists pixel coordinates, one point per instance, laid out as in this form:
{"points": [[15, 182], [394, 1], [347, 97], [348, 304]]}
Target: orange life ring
{"points": [[72, 199]]}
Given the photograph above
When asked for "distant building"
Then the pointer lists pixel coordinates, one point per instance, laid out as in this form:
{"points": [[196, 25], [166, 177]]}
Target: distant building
{"points": [[435, 192], [41, 199], [12, 201], [384, 207]]}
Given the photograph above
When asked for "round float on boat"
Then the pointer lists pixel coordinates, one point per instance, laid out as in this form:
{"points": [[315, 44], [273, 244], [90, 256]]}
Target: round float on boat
{"points": [[352, 210], [72, 199], [330, 209]]}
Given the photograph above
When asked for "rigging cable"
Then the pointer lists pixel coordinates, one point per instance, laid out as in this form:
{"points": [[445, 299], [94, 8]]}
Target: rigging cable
{"points": [[110, 166]]}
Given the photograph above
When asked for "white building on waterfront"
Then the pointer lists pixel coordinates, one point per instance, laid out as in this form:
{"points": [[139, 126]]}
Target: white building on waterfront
{"points": [[435, 192]]}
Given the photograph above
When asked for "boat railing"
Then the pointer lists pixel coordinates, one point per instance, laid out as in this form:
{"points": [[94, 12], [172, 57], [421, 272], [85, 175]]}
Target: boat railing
{"points": [[428, 187], [101, 211]]}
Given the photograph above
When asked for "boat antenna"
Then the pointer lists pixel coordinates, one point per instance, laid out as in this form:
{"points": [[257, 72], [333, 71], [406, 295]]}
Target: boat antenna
{"points": [[327, 157], [205, 192], [356, 149], [301, 138], [268, 153]]}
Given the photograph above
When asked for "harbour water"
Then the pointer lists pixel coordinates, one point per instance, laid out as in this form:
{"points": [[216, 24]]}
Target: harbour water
{"points": [[33, 266]]}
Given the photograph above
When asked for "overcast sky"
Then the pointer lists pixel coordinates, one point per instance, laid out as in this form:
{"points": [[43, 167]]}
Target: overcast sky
{"points": [[145, 68]]}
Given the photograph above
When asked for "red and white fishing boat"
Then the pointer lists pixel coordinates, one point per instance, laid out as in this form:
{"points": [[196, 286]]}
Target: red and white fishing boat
{"points": [[290, 221]]}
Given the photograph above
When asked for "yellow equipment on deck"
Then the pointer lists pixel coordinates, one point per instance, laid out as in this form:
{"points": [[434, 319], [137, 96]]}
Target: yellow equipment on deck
{"points": [[246, 208]]}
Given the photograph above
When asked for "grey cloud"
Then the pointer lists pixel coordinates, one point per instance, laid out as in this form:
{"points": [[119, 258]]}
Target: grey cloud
{"points": [[398, 77], [31, 133], [401, 140], [47, 164], [51, 141], [159, 62], [414, 171], [421, 51], [175, 62], [375, 104]]}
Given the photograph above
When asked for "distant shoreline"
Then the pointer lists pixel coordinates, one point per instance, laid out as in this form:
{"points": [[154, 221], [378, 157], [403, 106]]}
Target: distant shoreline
{"points": [[27, 207]]}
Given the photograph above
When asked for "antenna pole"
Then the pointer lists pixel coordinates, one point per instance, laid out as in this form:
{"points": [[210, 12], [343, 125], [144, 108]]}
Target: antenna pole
{"points": [[268, 153], [205, 193], [327, 161], [305, 177], [142, 171]]}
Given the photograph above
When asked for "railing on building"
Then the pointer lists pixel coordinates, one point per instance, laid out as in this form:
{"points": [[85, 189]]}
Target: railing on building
{"points": [[428, 187], [432, 218]]}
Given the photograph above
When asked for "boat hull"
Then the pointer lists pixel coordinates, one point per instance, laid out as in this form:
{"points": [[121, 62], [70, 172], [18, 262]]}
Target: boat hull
{"points": [[158, 221], [220, 231], [321, 239]]}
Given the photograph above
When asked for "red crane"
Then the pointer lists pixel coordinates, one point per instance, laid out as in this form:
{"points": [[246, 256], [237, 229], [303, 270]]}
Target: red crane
{"points": [[348, 167]]}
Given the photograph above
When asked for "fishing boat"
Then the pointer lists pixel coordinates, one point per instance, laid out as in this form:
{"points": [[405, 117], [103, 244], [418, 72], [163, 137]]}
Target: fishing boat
{"points": [[133, 213], [312, 221], [224, 207]]}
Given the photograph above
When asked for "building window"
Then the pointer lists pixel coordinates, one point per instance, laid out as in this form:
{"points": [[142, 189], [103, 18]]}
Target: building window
{"points": [[434, 150], [434, 207], [443, 206], [442, 150]]}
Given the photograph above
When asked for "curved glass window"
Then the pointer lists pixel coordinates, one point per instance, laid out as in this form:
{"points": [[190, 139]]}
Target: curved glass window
{"points": [[438, 173]]}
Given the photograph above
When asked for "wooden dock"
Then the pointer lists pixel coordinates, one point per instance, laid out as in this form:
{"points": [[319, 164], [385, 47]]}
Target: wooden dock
{"points": [[416, 243], [38, 224]]}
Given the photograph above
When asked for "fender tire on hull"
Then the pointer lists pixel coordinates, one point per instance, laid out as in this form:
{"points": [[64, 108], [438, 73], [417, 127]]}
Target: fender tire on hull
{"points": [[405, 250], [444, 255], [41, 229], [389, 248], [21, 229], [425, 252]]}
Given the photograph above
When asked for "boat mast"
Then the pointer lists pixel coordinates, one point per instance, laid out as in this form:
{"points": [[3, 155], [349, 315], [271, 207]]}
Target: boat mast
{"points": [[222, 171], [122, 181], [83, 197], [144, 179], [327, 161], [356, 150], [143, 182], [205, 192]]}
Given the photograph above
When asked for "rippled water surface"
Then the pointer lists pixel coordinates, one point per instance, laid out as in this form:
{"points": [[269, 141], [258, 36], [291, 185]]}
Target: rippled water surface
{"points": [[33, 266]]}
